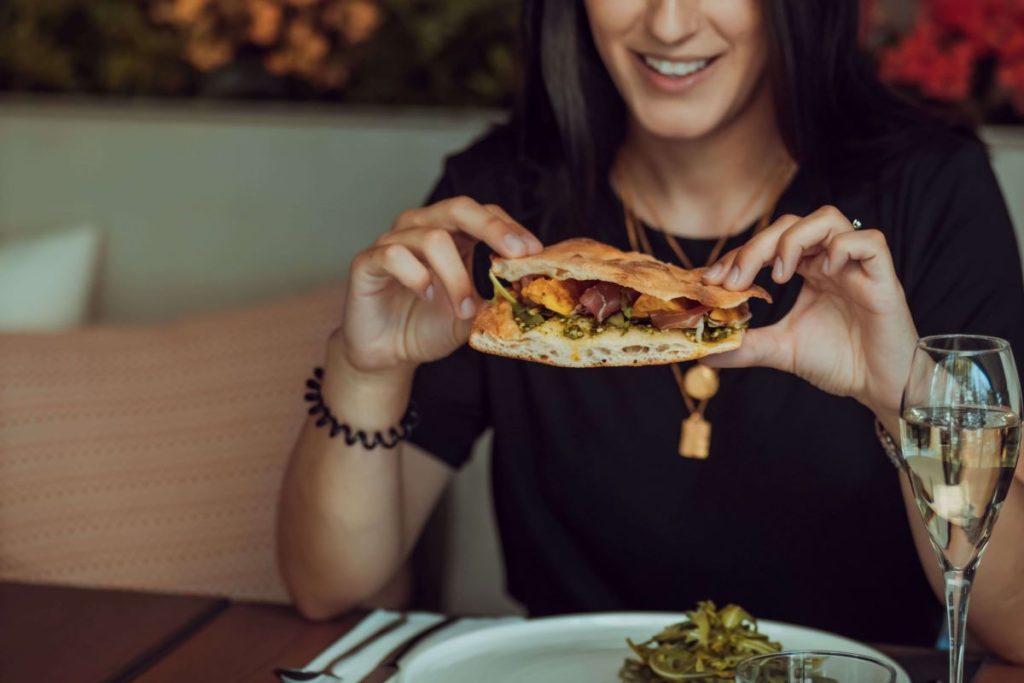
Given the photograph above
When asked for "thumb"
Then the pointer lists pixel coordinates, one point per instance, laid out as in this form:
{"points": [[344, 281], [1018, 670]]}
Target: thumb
{"points": [[462, 329], [760, 348]]}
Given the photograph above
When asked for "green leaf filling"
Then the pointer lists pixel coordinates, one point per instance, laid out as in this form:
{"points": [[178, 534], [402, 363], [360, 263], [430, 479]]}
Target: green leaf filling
{"points": [[706, 647], [527, 318]]}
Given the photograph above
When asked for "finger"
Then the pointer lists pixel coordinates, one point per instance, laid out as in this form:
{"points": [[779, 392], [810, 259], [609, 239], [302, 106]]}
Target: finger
{"points": [[497, 229], [813, 267], [534, 244], [447, 264], [809, 237], [439, 251], [721, 268], [868, 248], [783, 245], [466, 216], [751, 257], [763, 347], [757, 253], [374, 269]]}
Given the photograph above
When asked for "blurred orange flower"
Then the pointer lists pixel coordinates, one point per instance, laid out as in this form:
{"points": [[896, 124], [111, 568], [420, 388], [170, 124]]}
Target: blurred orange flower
{"points": [[360, 20], [181, 12], [209, 55], [313, 40], [264, 21]]}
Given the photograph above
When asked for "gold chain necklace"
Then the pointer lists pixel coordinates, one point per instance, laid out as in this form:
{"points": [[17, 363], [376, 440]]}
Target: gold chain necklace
{"points": [[700, 383]]}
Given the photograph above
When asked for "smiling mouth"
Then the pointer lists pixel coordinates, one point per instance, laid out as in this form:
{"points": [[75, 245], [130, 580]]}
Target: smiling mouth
{"points": [[675, 68]]}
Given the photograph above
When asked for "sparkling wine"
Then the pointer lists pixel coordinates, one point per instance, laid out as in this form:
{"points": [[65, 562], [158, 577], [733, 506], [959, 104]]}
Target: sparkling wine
{"points": [[961, 463], [961, 440]]}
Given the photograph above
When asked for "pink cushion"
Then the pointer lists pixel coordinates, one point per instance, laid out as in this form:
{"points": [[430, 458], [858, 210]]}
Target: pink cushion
{"points": [[150, 457]]}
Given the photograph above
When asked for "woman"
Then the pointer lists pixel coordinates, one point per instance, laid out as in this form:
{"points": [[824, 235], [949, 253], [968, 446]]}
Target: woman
{"points": [[690, 111]]}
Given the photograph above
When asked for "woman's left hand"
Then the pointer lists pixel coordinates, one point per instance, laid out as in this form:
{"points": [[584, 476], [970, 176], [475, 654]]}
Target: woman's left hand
{"points": [[850, 332]]}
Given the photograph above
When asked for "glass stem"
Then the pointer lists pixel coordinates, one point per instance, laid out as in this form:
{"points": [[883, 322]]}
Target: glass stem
{"points": [[958, 593]]}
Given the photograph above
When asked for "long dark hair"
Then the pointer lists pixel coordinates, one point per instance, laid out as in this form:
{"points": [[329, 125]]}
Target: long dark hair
{"points": [[836, 118]]}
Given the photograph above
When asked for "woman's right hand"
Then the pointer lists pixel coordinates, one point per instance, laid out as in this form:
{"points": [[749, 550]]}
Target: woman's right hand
{"points": [[410, 297]]}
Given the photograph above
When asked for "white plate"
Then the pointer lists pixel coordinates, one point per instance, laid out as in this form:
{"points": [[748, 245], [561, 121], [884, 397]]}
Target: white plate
{"points": [[586, 648]]}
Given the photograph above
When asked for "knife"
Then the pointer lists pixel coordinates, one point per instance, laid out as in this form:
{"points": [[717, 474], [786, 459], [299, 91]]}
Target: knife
{"points": [[388, 666]]}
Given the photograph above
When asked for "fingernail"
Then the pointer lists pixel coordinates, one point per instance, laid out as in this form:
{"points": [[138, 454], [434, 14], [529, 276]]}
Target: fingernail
{"points": [[734, 275], [825, 266], [777, 269], [429, 294], [515, 245], [535, 244], [467, 308], [714, 271]]}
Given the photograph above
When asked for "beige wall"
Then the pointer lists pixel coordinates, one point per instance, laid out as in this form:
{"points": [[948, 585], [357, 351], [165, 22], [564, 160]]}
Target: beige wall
{"points": [[1006, 146], [207, 208]]}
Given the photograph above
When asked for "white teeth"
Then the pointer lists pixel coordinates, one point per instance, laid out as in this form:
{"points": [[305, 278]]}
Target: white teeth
{"points": [[675, 69]]}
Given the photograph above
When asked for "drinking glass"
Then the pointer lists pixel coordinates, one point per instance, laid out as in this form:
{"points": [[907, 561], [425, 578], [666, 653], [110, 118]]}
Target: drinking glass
{"points": [[813, 667], [960, 433]]}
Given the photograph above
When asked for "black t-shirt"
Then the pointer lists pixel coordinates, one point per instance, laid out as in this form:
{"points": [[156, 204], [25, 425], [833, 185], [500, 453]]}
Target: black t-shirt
{"points": [[797, 515]]}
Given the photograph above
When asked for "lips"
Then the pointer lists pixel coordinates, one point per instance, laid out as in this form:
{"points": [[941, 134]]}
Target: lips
{"points": [[675, 68], [675, 76]]}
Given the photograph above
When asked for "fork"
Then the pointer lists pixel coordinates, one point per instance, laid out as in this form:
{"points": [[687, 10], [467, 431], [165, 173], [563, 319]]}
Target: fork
{"points": [[388, 666], [302, 675]]}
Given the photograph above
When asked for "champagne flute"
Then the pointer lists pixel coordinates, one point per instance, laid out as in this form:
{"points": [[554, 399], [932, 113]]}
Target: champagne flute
{"points": [[813, 667], [960, 432]]}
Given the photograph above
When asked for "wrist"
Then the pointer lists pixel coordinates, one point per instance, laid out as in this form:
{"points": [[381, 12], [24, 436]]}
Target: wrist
{"points": [[887, 429], [326, 418], [889, 443], [367, 400], [888, 417], [886, 369]]}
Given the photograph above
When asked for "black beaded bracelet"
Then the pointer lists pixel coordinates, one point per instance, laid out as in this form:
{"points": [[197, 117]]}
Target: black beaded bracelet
{"points": [[327, 418]]}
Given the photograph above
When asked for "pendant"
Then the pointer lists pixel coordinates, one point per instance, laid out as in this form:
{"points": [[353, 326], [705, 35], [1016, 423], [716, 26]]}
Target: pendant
{"points": [[695, 439], [701, 382]]}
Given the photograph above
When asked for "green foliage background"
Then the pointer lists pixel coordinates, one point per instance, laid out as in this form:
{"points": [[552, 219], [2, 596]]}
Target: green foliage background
{"points": [[98, 46], [427, 52], [441, 51]]}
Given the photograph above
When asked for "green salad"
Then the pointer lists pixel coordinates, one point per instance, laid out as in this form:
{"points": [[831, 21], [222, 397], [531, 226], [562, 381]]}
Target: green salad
{"points": [[705, 647]]}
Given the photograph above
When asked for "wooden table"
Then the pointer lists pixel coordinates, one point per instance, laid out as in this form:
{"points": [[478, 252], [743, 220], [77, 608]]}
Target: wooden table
{"points": [[55, 634], [64, 634]]}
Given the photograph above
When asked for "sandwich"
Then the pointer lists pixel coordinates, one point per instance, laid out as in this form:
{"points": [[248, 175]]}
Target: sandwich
{"points": [[581, 303]]}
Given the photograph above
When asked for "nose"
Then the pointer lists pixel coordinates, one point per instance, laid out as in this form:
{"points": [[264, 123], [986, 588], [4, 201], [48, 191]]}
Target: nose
{"points": [[673, 21]]}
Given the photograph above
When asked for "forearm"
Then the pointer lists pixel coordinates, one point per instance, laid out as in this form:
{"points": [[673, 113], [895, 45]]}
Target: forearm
{"points": [[996, 614], [340, 520]]}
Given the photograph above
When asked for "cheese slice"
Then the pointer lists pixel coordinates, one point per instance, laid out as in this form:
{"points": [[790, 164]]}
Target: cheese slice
{"points": [[647, 304], [554, 295], [727, 315]]}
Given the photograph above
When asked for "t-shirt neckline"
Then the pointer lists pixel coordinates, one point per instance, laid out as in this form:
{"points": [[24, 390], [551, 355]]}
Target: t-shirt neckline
{"points": [[738, 238]]}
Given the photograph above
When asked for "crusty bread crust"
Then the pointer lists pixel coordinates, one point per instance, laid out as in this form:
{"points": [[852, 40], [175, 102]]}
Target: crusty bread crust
{"points": [[585, 259], [495, 331]]}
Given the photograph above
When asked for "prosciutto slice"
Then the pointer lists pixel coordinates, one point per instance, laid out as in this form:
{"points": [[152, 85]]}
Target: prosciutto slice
{"points": [[602, 300], [679, 320]]}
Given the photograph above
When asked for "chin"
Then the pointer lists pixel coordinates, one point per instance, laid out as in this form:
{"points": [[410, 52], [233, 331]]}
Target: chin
{"points": [[678, 122]]}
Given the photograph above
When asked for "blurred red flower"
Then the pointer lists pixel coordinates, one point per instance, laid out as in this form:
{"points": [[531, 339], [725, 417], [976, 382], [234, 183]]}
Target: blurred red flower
{"points": [[941, 67], [987, 24], [950, 41]]}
